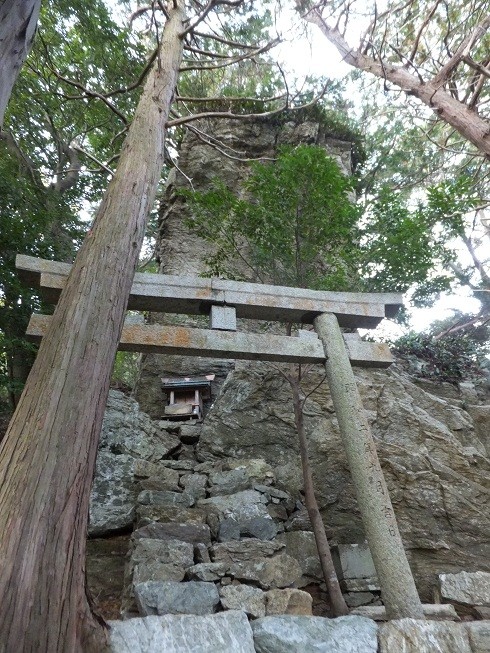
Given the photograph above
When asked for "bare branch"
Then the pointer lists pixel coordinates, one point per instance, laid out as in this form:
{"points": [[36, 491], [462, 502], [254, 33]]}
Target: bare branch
{"points": [[416, 42], [103, 166], [219, 39], [228, 98], [244, 116], [236, 59], [461, 52], [87, 92], [211, 5], [484, 70]]}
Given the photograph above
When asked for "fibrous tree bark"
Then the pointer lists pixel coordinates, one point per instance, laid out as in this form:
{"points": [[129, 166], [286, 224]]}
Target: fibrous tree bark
{"points": [[48, 454], [398, 46], [18, 21], [339, 606]]}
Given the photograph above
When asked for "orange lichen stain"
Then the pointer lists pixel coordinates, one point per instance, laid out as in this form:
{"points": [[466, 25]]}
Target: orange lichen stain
{"points": [[180, 337], [204, 293]]}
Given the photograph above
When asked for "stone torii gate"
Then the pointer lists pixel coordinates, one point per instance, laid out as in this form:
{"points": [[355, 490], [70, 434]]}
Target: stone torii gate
{"points": [[224, 301]]}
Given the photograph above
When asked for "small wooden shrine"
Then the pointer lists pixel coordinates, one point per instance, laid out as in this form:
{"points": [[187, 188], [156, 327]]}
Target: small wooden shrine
{"points": [[186, 396]]}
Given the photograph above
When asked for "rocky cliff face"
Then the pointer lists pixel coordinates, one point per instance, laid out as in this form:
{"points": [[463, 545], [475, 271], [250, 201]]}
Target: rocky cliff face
{"points": [[181, 252], [242, 463], [434, 460]]}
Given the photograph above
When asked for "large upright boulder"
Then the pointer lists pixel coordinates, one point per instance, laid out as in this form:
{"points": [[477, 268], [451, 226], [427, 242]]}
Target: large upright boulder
{"points": [[434, 462], [129, 437]]}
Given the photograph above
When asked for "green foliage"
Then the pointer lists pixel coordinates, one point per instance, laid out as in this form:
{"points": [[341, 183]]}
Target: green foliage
{"points": [[400, 247], [48, 115], [297, 222], [125, 370], [451, 358]]}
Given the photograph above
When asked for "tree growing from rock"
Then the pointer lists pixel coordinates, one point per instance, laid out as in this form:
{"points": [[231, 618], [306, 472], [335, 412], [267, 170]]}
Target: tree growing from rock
{"points": [[296, 228]]}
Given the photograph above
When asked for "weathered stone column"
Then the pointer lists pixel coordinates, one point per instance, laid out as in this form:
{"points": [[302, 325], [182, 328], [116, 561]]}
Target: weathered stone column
{"points": [[395, 577]]}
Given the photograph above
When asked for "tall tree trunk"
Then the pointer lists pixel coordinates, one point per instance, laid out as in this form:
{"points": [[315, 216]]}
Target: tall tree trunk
{"points": [[48, 455], [18, 21], [338, 603]]}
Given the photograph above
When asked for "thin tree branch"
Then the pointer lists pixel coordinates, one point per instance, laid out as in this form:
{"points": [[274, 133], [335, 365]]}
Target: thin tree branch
{"points": [[219, 39], [461, 52], [209, 7], [103, 166], [243, 116]]}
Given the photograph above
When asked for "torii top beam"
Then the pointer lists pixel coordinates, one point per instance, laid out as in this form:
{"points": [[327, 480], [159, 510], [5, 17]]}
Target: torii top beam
{"points": [[195, 295]]}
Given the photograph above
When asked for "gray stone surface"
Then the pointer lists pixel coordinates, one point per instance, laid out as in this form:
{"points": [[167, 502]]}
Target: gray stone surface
{"points": [[415, 636], [194, 485], [159, 560], [241, 505], [354, 561], [226, 632], [440, 493], [244, 550], [263, 528], [230, 482], [128, 436], [279, 571], [229, 529], [193, 597], [288, 601], [302, 546], [291, 634], [479, 635], [193, 533], [206, 571], [468, 588], [165, 498], [435, 611], [243, 597], [151, 513]]}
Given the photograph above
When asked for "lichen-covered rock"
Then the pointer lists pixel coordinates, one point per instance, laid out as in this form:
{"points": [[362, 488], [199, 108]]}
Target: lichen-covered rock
{"points": [[479, 635], [241, 506], [148, 514], [296, 634], [288, 601], [128, 436], [432, 458], [244, 550], [194, 597], [279, 571], [165, 498], [206, 571], [302, 546], [467, 588], [230, 482], [243, 597], [225, 632], [416, 636], [193, 533]]}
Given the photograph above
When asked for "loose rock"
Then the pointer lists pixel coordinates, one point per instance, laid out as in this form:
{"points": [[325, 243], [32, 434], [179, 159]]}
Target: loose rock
{"points": [[289, 634], [194, 597], [226, 632]]}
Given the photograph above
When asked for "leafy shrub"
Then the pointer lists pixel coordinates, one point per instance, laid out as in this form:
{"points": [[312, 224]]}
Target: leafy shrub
{"points": [[451, 358]]}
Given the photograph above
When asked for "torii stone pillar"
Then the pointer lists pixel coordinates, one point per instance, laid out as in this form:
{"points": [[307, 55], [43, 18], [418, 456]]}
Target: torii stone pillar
{"points": [[395, 577]]}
